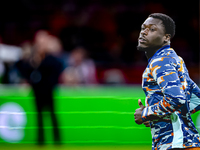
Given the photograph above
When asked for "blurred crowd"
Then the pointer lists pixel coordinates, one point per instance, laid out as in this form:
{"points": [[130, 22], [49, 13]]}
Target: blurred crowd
{"points": [[95, 40], [76, 67]]}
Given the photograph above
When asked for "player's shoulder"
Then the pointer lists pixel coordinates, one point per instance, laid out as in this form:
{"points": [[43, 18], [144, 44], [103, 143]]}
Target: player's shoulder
{"points": [[163, 60], [167, 59]]}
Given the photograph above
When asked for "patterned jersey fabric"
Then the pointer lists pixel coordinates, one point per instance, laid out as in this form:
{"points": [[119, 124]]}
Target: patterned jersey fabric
{"points": [[171, 98]]}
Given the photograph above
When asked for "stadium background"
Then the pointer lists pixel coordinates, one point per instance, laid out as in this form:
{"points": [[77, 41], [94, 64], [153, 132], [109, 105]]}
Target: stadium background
{"points": [[96, 116]]}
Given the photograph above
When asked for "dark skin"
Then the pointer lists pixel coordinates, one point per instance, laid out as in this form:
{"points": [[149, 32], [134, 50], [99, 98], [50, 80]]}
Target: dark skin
{"points": [[152, 37]]}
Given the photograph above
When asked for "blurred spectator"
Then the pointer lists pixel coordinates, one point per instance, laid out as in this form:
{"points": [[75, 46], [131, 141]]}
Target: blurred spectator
{"points": [[114, 76], [81, 70], [8, 56], [42, 70]]}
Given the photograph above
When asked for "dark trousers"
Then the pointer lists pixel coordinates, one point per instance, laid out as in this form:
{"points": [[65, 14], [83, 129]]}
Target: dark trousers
{"points": [[46, 102]]}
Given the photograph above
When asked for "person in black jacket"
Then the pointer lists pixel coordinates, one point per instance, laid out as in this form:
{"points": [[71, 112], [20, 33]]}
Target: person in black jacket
{"points": [[42, 71]]}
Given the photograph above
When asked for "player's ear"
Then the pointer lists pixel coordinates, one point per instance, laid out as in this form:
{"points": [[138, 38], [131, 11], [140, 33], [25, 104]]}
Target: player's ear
{"points": [[167, 38]]}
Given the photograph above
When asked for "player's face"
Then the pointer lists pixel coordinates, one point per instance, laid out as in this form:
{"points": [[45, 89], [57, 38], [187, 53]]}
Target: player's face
{"points": [[152, 34]]}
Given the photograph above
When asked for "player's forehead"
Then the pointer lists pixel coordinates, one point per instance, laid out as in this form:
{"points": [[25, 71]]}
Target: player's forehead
{"points": [[152, 21]]}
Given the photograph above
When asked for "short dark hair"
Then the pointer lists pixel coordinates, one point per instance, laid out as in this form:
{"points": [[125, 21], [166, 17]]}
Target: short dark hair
{"points": [[167, 21]]}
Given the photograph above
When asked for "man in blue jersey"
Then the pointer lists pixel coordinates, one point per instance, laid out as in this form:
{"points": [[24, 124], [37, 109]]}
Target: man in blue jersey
{"points": [[171, 96]]}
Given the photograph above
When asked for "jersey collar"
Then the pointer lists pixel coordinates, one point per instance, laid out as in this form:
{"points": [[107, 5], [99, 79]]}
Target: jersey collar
{"points": [[164, 47]]}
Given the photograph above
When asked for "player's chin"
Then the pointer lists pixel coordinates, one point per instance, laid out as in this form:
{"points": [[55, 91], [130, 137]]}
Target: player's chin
{"points": [[141, 47]]}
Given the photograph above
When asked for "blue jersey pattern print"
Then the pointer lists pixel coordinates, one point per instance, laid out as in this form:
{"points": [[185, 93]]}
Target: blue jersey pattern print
{"points": [[171, 98]]}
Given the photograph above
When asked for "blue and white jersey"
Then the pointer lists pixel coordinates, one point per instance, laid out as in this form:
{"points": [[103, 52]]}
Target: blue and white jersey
{"points": [[171, 98]]}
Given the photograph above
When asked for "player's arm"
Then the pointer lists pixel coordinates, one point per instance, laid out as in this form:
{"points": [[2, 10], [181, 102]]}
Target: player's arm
{"points": [[195, 97], [164, 72], [195, 91]]}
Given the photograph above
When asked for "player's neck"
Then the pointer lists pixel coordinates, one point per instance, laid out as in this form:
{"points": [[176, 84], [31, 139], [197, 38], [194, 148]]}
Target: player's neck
{"points": [[151, 51]]}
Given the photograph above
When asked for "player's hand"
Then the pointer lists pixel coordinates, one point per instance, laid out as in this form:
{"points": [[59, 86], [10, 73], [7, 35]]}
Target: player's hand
{"points": [[146, 123], [138, 113]]}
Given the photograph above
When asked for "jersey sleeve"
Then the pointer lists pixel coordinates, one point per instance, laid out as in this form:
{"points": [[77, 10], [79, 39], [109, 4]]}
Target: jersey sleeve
{"points": [[165, 73], [194, 104]]}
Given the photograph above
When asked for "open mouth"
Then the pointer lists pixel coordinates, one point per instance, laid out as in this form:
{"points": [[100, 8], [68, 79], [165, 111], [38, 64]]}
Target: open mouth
{"points": [[141, 39]]}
